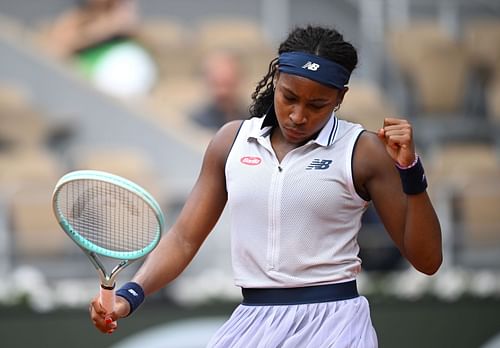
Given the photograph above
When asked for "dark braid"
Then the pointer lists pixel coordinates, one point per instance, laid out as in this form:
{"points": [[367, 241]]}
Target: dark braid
{"points": [[321, 41]]}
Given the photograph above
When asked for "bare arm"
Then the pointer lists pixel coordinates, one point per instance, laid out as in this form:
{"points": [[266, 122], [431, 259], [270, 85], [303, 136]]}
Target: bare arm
{"points": [[181, 243], [198, 217], [120, 19], [409, 219], [81, 28]]}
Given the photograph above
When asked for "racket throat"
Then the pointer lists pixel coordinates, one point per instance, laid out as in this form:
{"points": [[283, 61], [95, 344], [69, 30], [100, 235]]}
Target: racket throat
{"points": [[107, 280]]}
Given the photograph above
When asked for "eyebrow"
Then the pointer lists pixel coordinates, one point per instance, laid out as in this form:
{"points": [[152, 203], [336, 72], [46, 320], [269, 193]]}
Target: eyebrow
{"points": [[316, 100]]}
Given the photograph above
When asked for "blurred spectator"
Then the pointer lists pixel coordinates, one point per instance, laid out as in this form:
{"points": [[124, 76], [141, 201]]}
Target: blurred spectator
{"points": [[92, 23], [99, 36], [222, 72]]}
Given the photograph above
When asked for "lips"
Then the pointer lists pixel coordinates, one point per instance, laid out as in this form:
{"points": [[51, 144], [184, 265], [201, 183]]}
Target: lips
{"points": [[293, 133]]}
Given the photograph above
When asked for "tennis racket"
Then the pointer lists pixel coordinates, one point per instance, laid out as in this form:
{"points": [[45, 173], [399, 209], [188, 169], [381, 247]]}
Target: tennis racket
{"points": [[107, 215]]}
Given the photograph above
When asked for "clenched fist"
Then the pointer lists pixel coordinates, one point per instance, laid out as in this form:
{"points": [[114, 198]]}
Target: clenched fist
{"points": [[397, 135]]}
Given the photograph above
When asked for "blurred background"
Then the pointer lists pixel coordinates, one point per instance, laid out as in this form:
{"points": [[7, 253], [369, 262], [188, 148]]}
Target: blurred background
{"points": [[138, 89]]}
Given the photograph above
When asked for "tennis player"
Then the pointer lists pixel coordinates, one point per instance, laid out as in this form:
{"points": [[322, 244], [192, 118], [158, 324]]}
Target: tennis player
{"points": [[297, 180]]}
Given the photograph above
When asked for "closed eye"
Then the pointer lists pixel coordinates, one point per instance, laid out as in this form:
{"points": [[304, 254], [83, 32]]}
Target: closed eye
{"points": [[318, 106], [289, 97]]}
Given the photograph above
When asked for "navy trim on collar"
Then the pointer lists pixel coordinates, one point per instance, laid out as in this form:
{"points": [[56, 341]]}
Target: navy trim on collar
{"points": [[325, 137], [270, 118]]}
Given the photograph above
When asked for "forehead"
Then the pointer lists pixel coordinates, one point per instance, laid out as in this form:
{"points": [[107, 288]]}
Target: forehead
{"points": [[306, 88]]}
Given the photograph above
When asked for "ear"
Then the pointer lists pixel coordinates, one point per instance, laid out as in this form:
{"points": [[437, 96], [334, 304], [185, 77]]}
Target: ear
{"points": [[341, 95]]}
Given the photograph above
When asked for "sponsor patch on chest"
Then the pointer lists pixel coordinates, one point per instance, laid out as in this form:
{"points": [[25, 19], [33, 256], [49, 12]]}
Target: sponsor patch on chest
{"points": [[251, 160]]}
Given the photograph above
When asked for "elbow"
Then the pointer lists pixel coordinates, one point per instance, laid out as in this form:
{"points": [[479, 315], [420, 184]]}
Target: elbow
{"points": [[426, 263], [430, 270], [431, 266]]}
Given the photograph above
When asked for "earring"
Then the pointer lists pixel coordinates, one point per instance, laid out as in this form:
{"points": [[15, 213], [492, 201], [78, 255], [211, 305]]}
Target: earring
{"points": [[336, 108]]}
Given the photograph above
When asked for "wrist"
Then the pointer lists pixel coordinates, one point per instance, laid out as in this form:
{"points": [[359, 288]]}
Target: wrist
{"points": [[413, 177], [122, 307], [133, 293], [411, 165]]}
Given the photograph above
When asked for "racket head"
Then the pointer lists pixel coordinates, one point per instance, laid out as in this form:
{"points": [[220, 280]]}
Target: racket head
{"points": [[107, 214]]}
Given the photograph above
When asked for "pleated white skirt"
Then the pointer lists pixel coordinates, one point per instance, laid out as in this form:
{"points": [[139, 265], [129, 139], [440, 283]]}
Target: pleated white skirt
{"points": [[338, 324]]}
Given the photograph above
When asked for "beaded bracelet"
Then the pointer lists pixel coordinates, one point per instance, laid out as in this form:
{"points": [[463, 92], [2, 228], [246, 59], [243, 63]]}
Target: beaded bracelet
{"points": [[413, 177], [133, 293]]}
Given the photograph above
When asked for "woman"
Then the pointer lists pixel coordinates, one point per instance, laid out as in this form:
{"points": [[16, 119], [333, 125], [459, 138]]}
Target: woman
{"points": [[99, 38], [297, 181]]}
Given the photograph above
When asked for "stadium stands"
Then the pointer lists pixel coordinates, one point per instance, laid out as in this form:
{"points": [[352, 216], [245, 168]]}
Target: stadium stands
{"points": [[453, 82]]}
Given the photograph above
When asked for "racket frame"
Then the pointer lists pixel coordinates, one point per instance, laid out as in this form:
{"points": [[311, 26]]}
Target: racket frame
{"points": [[93, 251]]}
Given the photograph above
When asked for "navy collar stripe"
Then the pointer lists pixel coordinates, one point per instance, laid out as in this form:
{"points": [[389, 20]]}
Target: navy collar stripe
{"points": [[335, 131], [332, 133]]}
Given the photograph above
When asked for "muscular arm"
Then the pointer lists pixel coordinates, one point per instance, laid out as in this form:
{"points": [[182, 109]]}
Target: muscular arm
{"points": [[197, 218], [409, 219]]}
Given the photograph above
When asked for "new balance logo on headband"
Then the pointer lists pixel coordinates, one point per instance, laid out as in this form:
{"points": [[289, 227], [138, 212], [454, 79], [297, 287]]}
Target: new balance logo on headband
{"points": [[311, 66], [318, 69]]}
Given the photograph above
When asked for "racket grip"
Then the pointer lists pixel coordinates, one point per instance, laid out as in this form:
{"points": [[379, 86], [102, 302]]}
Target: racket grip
{"points": [[107, 298]]}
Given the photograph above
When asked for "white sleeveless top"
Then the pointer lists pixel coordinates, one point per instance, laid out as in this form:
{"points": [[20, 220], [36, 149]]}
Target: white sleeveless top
{"points": [[294, 223]]}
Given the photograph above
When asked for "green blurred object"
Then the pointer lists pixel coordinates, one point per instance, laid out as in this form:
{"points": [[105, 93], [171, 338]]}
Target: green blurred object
{"points": [[119, 66], [88, 59]]}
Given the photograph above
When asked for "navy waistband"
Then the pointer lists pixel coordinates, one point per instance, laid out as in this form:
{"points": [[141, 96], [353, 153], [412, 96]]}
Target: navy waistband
{"points": [[291, 296]]}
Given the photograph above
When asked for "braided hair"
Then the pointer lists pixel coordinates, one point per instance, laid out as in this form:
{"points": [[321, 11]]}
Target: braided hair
{"points": [[321, 41]]}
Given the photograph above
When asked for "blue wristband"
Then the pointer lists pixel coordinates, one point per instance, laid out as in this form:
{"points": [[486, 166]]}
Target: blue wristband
{"points": [[413, 178], [133, 293]]}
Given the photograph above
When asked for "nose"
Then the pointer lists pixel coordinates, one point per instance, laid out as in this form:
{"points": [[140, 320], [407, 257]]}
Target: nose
{"points": [[297, 116]]}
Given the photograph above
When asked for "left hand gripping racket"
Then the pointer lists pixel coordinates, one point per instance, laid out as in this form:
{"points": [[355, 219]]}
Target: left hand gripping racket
{"points": [[107, 215]]}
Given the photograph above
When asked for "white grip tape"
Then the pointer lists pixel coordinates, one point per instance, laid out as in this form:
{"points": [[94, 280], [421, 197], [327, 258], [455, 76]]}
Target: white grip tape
{"points": [[108, 299]]}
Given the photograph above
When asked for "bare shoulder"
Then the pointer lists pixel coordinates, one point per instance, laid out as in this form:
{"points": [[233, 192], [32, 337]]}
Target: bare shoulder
{"points": [[223, 140], [226, 134], [370, 149], [229, 130]]}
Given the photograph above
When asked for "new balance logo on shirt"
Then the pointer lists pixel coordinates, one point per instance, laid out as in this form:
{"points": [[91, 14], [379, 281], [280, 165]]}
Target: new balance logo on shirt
{"points": [[319, 164], [311, 66]]}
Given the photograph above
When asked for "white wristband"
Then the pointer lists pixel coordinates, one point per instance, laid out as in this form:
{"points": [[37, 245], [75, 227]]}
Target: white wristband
{"points": [[409, 166]]}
